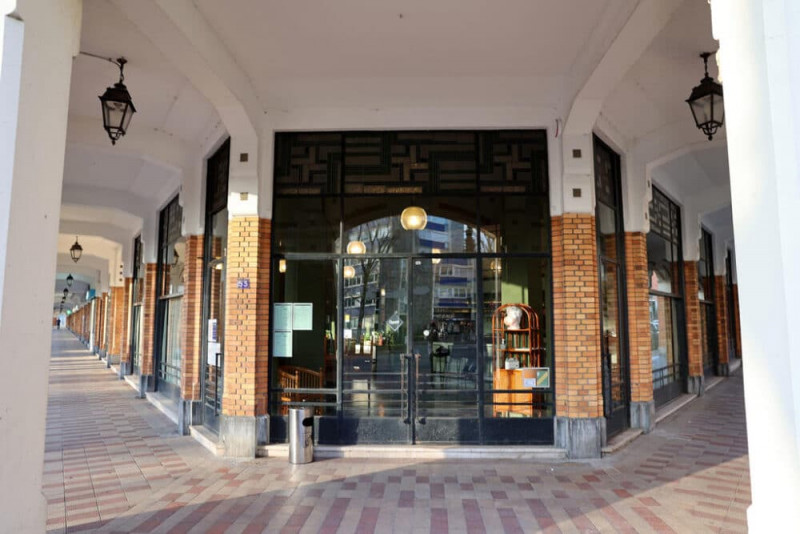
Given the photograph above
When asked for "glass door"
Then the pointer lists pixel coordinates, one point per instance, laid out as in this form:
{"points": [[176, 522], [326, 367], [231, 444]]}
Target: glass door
{"points": [[214, 356]]}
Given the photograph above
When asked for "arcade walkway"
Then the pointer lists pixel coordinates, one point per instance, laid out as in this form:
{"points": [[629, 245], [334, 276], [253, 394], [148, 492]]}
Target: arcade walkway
{"points": [[114, 464]]}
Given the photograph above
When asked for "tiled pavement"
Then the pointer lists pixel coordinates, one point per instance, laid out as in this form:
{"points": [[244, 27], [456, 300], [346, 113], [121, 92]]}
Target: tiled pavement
{"points": [[114, 463]]}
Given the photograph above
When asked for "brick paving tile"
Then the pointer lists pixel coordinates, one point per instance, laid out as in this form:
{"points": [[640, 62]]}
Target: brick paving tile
{"points": [[115, 464]]}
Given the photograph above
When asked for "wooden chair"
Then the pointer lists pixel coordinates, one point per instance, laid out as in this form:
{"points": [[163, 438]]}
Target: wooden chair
{"points": [[293, 377]]}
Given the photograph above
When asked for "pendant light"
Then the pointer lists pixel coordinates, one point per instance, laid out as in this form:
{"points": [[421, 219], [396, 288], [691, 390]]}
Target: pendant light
{"points": [[414, 218], [706, 103], [356, 247], [70, 279], [76, 251]]}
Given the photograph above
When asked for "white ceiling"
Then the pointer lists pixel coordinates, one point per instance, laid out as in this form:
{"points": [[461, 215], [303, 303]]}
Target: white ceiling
{"points": [[357, 52]]}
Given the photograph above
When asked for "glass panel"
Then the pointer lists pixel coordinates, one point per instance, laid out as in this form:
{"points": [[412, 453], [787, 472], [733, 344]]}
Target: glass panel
{"points": [[170, 364], [376, 222], [306, 225], [513, 162], [304, 337], [374, 333], [307, 163], [514, 224], [706, 335], [663, 341], [443, 333], [516, 293], [610, 313], [215, 325], [660, 262], [607, 232], [136, 340]]}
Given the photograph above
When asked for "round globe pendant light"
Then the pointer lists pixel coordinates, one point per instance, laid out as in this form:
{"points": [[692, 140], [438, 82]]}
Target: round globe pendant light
{"points": [[349, 271], [414, 218], [356, 247], [436, 261]]}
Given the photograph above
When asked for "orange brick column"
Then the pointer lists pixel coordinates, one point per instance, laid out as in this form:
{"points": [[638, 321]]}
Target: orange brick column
{"points": [[125, 335], [147, 378], [643, 409], [191, 333], [721, 306], [104, 325], [580, 425], [115, 329], [736, 323], [245, 373], [696, 381], [98, 313]]}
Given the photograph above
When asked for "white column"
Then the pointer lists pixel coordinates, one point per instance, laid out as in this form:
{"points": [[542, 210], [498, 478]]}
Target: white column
{"points": [[39, 39], [760, 47]]}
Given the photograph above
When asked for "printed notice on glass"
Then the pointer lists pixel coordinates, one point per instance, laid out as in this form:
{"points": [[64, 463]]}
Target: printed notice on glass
{"points": [[302, 314], [282, 319], [282, 344]]}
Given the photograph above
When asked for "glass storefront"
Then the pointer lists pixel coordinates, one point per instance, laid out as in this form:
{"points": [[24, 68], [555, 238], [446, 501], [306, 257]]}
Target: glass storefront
{"points": [[391, 334], [665, 281], [611, 261], [215, 243], [137, 290], [169, 292], [708, 325]]}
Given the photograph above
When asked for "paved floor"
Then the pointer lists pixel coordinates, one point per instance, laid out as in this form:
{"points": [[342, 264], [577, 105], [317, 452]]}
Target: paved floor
{"points": [[114, 463]]}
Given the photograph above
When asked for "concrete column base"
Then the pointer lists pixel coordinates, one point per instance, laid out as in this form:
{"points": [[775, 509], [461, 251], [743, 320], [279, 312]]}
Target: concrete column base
{"points": [[108, 361], [240, 435], [124, 369], [643, 415], [146, 384], [696, 385], [723, 369], [188, 415], [581, 437]]}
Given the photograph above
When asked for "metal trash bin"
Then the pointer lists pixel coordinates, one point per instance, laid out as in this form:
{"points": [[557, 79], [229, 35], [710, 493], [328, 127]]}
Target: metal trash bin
{"points": [[301, 443]]}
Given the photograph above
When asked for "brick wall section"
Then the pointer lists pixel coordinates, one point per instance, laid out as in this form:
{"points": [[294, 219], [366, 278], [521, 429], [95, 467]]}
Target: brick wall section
{"points": [[125, 336], [641, 367], [115, 333], [191, 319], [693, 334], [148, 319], [737, 324], [721, 306], [103, 322], [576, 317], [246, 318]]}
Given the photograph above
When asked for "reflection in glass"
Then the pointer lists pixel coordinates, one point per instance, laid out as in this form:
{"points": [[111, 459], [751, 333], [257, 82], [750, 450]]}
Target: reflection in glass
{"points": [[660, 262], [170, 362], [306, 225], [663, 339], [512, 224], [606, 231]]}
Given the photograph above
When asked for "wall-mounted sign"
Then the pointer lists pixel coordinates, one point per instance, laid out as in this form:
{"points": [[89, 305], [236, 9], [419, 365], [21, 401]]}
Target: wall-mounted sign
{"points": [[394, 322], [536, 377], [302, 316], [242, 283], [282, 316], [213, 331], [282, 344]]}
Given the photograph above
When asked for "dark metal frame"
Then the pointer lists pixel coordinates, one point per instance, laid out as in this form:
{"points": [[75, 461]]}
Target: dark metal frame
{"points": [[709, 300], [617, 419], [731, 318], [135, 317], [340, 429], [672, 377], [214, 204], [160, 382]]}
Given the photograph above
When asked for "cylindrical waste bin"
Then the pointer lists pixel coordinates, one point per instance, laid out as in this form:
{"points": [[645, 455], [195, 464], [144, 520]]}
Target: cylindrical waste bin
{"points": [[301, 444]]}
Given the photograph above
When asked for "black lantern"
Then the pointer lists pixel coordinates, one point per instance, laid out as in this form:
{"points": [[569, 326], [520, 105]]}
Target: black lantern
{"points": [[117, 106], [76, 250], [706, 103], [69, 280], [66, 292]]}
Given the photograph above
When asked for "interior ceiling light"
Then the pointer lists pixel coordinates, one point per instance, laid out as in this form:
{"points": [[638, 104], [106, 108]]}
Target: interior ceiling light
{"points": [[282, 266], [116, 104], [356, 247], [436, 261], [349, 271], [496, 266], [70, 279], [706, 103], [76, 251], [414, 218]]}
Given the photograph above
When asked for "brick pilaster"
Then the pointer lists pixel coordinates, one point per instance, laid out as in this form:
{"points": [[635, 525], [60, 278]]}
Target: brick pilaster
{"points": [[125, 337], [191, 319], [115, 331], [246, 318], [641, 366], [148, 319], [693, 333], [721, 306], [576, 317], [103, 344]]}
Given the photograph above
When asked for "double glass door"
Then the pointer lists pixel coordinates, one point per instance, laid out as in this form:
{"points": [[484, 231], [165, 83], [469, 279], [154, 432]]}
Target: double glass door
{"points": [[410, 360]]}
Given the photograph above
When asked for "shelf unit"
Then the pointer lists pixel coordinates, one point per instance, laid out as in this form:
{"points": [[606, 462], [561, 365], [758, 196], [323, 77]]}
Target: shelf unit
{"points": [[524, 343]]}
